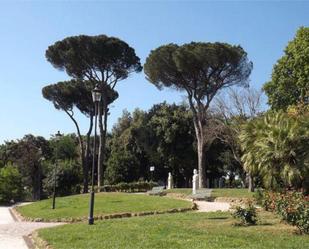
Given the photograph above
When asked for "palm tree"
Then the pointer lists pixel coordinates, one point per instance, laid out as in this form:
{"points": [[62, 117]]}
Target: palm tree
{"points": [[276, 147]]}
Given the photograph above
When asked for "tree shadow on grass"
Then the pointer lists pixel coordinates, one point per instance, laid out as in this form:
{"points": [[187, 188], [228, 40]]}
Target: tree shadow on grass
{"points": [[217, 218], [265, 224]]}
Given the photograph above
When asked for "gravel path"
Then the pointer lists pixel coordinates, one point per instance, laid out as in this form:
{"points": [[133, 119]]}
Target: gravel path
{"points": [[12, 232], [207, 206]]}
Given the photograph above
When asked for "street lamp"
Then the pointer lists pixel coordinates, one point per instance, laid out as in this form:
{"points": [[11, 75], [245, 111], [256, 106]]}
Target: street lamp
{"points": [[152, 169], [96, 98], [57, 138]]}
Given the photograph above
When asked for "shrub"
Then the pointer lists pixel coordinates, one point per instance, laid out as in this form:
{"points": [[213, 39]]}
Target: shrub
{"points": [[129, 187], [259, 196], [269, 201], [10, 184], [292, 206], [247, 215]]}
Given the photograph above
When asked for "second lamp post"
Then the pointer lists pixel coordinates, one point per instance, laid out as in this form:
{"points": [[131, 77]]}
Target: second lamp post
{"points": [[96, 97], [57, 138]]}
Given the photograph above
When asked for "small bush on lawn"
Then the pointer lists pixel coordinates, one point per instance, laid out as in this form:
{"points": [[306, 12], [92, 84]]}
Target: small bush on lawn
{"points": [[247, 215], [292, 206], [131, 187]]}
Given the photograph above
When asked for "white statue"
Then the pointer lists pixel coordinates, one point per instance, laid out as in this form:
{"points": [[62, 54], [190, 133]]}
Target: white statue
{"points": [[170, 181], [195, 181]]}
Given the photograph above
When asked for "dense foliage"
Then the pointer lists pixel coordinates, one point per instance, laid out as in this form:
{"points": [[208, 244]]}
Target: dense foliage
{"points": [[10, 184], [164, 138], [289, 84], [292, 206], [34, 158], [66, 174], [276, 149]]}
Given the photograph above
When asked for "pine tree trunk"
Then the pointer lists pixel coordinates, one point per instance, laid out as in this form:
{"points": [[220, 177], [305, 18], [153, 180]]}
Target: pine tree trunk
{"points": [[201, 162], [82, 152], [87, 157], [198, 125], [84, 164], [102, 127], [100, 153]]}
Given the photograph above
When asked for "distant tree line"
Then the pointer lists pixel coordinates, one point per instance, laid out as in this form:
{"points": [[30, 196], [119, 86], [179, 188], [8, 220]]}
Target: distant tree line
{"points": [[162, 137]]}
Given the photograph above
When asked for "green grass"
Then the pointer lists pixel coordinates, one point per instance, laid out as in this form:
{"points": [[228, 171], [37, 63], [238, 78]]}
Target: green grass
{"points": [[217, 192], [176, 231], [105, 203], [184, 191], [231, 192]]}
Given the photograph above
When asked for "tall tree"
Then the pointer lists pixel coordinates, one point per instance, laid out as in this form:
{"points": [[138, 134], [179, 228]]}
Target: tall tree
{"points": [[201, 70], [72, 94], [103, 61], [289, 84]]}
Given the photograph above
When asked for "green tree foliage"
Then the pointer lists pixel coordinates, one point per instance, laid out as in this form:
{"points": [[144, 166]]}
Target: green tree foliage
{"points": [[84, 57], [220, 162], [27, 154], [10, 184], [276, 147], [201, 70], [122, 166], [101, 60], [68, 177], [168, 139], [162, 137], [127, 160], [289, 83], [65, 148]]}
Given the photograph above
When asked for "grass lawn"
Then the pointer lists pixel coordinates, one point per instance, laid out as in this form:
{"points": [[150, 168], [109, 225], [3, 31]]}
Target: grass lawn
{"points": [[171, 231], [105, 203], [184, 191], [217, 192], [231, 192]]}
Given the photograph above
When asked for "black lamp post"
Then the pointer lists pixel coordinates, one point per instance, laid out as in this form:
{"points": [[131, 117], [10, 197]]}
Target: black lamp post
{"points": [[152, 169], [96, 98], [57, 138]]}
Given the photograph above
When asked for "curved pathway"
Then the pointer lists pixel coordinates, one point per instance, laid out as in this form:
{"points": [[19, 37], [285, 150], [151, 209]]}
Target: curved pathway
{"points": [[13, 232], [207, 206]]}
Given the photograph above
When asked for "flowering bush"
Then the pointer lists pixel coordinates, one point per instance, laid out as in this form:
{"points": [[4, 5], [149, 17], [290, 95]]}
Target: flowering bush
{"points": [[269, 201], [246, 215], [292, 206]]}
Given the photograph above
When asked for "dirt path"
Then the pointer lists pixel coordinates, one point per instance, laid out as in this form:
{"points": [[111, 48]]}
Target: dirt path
{"points": [[207, 206], [13, 232]]}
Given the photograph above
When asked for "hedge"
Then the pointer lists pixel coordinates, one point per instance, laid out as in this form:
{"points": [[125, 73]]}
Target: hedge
{"points": [[129, 187]]}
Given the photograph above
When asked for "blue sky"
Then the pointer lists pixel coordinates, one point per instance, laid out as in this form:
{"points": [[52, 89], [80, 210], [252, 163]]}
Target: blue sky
{"points": [[28, 28]]}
